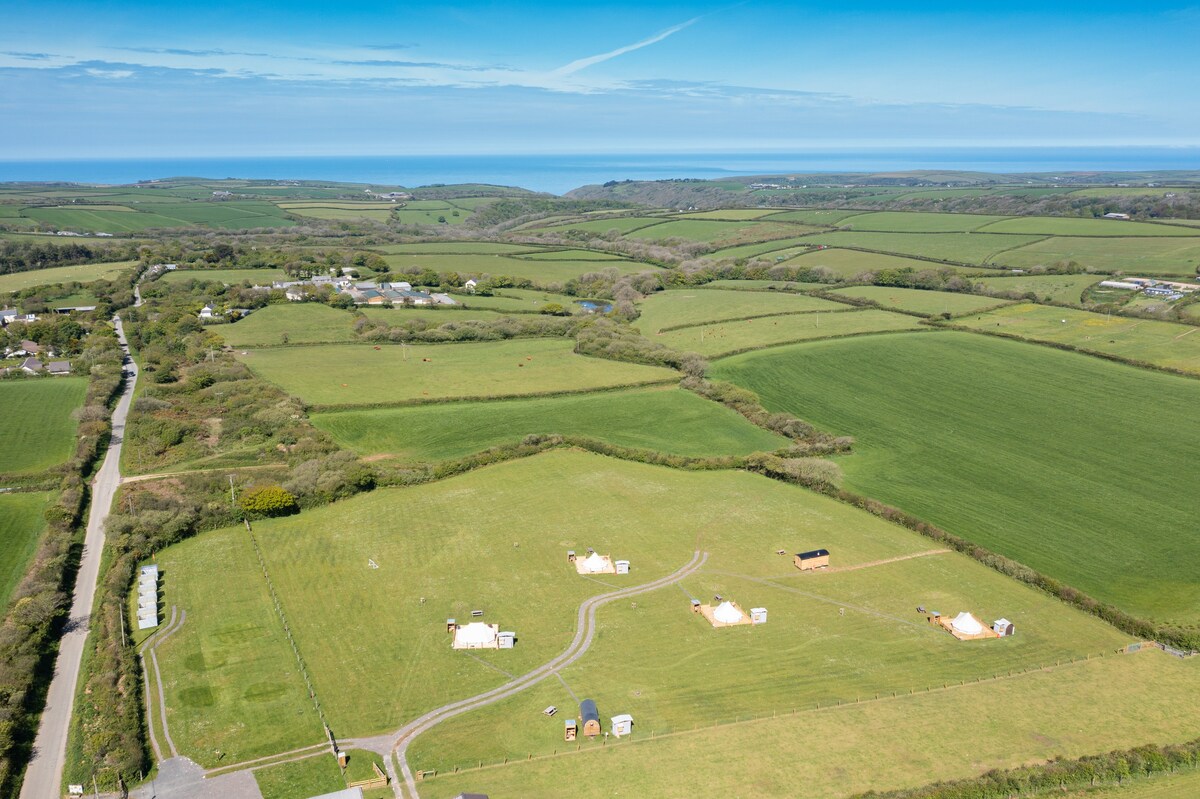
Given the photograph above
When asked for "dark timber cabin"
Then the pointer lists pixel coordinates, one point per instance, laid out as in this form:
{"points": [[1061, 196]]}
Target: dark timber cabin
{"points": [[591, 718]]}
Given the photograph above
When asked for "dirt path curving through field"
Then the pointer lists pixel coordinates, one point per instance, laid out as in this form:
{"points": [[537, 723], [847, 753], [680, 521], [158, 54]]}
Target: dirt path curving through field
{"points": [[585, 631]]}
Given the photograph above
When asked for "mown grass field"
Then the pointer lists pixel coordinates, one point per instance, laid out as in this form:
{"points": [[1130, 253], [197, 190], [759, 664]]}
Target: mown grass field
{"points": [[717, 232], [37, 425], [722, 338], [300, 322], [1062, 288], [1163, 255], [516, 300], [230, 277], [1060, 226], [457, 248], [373, 214], [919, 222], [622, 224], [433, 316], [967, 248], [84, 273], [22, 521], [851, 263], [301, 779], [1041, 455], [124, 219], [731, 214], [667, 420], [1159, 786], [496, 538], [766, 285], [1160, 343], [359, 374], [816, 216], [931, 303], [667, 309], [540, 270], [777, 250], [1089, 708]]}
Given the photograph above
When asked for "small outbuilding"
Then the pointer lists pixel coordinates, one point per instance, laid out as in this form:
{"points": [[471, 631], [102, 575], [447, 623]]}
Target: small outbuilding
{"points": [[590, 717], [505, 640], [622, 724], [758, 615], [570, 729], [813, 559], [1003, 627], [622, 567]]}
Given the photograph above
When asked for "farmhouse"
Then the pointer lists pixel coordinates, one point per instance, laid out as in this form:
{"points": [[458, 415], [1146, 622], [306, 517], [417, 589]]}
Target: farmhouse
{"points": [[813, 559], [10, 315], [32, 365], [207, 313], [59, 367]]}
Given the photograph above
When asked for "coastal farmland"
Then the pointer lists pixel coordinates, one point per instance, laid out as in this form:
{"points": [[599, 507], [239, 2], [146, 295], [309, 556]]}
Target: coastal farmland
{"points": [[22, 520], [358, 374], [719, 339], [681, 308], [929, 303], [84, 273], [28, 447], [1014, 467], [688, 425]]}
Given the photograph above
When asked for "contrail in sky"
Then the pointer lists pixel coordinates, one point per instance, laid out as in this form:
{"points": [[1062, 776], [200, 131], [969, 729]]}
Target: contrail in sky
{"points": [[584, 63]]}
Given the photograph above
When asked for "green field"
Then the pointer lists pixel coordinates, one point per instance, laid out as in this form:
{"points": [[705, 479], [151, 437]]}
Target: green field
{"points": [[37, 426], [722, 338], [539, 270], [124, 219], [768, 285], [988, 439], [719, 233], [300, 779], [622, 224], [779, 250], [670, 309], [434, 316], [457, 248], [848, 264], [515, 300], [902, 743], [930, 303], [1156, 256], [84, 273], [342, 214], [686, 425], [358, 374], [1066, 226], [230, 277], [1160, 343], [495, 539], [967, 248], [1160, 786], [1060, 288], [814, 216], [919, 222], [572, 255], [22, 521], [732, 214], [301, 322]]}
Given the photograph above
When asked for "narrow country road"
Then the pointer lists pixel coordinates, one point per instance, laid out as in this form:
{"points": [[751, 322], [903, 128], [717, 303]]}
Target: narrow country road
{"points": [[43, 778], [585, 632]]}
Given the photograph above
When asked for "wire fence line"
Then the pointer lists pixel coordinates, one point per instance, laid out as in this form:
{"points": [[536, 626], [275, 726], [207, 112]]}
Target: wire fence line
{"points": [[564, 748]]}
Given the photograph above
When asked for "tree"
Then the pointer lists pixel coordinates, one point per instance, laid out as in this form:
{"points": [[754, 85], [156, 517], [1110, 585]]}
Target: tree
{"points": [[268, 501]]}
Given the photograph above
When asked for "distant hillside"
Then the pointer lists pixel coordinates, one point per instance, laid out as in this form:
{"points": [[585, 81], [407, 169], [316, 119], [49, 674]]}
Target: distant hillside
{"points": [[1141, 194]]}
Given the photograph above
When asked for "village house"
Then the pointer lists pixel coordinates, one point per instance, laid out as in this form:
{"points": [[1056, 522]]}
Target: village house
{"points": [[206, 313], [59, 367], [32, 365]]}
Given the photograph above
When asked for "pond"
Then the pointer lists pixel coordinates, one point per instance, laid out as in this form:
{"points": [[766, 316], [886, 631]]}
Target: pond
{"points": [[592, 306]]}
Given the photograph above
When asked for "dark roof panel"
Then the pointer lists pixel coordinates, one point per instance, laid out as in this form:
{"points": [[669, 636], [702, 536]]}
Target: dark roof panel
{"points": [[816, 553]]}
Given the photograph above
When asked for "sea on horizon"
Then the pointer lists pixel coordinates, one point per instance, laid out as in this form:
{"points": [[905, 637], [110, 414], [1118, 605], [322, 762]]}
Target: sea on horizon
{"points": [[560, 173]]}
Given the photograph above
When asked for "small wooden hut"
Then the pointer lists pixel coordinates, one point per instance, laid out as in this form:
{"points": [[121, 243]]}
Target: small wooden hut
{"points": [[591, 718], [813, 559], [569, 730]]}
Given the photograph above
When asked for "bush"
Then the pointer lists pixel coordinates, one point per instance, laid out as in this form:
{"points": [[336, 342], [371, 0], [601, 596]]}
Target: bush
{"points": [[268, 501]]}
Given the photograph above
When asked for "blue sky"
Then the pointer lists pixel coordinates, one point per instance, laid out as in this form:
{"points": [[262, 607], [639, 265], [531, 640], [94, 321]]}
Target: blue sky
{"points": [[135, 78]]}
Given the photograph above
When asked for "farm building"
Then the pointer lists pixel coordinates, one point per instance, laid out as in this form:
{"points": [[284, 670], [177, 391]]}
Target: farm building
{"points": [[813, 559], [758, 615], [622, 724], [147, 614], [590, 717], [595, 563], [1003, 627], [570, 729], [476, 635], [726, 614], [622, 567]]}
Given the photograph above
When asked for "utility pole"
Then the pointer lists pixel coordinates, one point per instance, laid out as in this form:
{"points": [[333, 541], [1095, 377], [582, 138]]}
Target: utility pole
{"points": [[232, 498]]}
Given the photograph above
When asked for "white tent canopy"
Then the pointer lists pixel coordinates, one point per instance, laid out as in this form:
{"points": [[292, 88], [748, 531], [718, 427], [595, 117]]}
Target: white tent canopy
{"points": [[476, 634], [726, 613], [595, 563], [967, 624]]}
